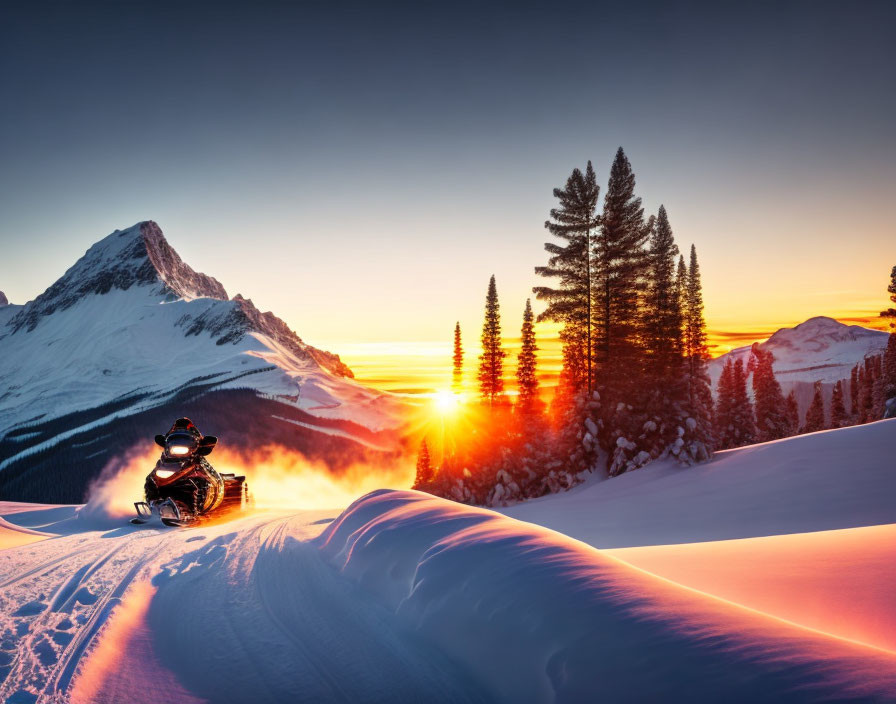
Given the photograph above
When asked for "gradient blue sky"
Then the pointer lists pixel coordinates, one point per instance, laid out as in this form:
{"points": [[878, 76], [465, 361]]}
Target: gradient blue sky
{"points": [[362, 169]]}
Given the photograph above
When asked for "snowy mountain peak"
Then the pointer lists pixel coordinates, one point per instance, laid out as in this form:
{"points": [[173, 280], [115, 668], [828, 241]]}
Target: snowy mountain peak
{"points": [[819, 349], [137, 256], [819, 323], [820, 333], [177, 275], [4, 301]]}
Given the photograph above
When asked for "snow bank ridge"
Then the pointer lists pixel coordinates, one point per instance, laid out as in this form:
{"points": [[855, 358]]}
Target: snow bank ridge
{"points": [[535, 616]]}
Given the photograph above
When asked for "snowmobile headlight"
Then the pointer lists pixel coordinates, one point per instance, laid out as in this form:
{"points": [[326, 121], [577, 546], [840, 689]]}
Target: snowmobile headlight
{"points": [[179, 450], [164, 473]]}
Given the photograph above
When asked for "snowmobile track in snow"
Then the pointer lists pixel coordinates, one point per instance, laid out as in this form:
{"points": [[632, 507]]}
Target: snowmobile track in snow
{"points": [[48, 655]]}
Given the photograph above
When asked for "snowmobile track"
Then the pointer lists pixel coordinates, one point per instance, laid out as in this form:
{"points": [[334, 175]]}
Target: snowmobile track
{"points": [[97, 619], [43, 567], [41, 657]]}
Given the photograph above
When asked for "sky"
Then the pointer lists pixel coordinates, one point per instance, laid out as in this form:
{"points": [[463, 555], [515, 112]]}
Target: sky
{"points": [[362, 169]]}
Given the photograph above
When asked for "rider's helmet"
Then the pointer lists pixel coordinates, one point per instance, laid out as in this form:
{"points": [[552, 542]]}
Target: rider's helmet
{"points": [[181, 441]]}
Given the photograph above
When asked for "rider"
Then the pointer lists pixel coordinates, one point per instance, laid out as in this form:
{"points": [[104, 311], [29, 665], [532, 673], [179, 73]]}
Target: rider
{"points": [[180, 445]]}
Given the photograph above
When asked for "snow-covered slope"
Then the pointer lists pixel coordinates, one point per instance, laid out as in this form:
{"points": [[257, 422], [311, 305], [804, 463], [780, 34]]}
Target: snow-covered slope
{"points": [[820, 481], [131, 337], [407, 597], [820, 349]]}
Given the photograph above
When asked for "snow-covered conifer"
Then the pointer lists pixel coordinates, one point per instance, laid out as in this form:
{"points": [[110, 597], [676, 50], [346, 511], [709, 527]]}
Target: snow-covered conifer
{"points": [[618, 264], [771, 410], [574, 222], [457, 361], [815, 415], [528, 401], [424, 467], [792, 409], [839, 418], [491, 361]]}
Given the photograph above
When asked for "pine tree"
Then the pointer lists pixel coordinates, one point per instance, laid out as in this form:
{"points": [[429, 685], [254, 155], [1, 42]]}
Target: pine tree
{"points": [[619, 271], [458, 360], [854, 394], [696, 353], [671, 428], [838, 410], [878, 397], [570, 303], [681, 286], [725, 406], [424, 467], [792, 410], [866, 391], [863, 393], [491, 361], [743, 409], [888, 382], [734, 412], [662, 310], [815, 414], [889, 367], [771, 410], [528, 401]]}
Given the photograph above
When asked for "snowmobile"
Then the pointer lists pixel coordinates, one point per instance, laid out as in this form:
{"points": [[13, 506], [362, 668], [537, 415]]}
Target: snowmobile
{"points": [[183, 488]]}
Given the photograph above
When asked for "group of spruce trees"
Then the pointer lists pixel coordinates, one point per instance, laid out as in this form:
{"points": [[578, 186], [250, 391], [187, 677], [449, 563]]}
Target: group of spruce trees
{"points": [[634, 385], [770, 416]]}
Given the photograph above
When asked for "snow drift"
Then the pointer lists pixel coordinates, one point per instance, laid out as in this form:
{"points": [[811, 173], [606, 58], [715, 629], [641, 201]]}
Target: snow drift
{"points": [[537, 616]]}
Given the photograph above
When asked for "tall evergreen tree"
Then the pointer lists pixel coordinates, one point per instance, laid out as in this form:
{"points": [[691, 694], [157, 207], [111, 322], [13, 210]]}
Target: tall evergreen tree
{"points": [[528, 401], [792, 410], [889, 367], [771, 409], [854, 393], [863, 394], [866, 391], [815, 415], [424, 467], [681, 286], [458, 361], [570, 303], [839, 418], [671, 427], [744, 418], [725, 406], [619, 261], [697, 352], [889, 363], [491, 361], [662, 310], [878, 397], [734, 412]]}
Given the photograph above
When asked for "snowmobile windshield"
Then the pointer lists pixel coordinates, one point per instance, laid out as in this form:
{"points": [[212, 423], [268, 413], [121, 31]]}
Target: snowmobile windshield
{"points": [[181, 444]]}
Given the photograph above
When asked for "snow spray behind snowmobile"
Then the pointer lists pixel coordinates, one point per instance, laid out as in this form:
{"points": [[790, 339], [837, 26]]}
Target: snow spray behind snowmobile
{"points": [[183, 488]]}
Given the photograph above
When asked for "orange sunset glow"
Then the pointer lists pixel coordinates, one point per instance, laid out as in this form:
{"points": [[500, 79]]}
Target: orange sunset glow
{"points": [[425, 367]]}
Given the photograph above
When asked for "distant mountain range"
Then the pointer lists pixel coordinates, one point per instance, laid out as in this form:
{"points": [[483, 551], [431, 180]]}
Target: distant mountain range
{"points": [[820, 349], [131, 337]]}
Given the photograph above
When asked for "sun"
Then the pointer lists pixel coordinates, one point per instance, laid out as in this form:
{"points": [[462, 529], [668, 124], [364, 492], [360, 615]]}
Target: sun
{"points": [[446, 402]]}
